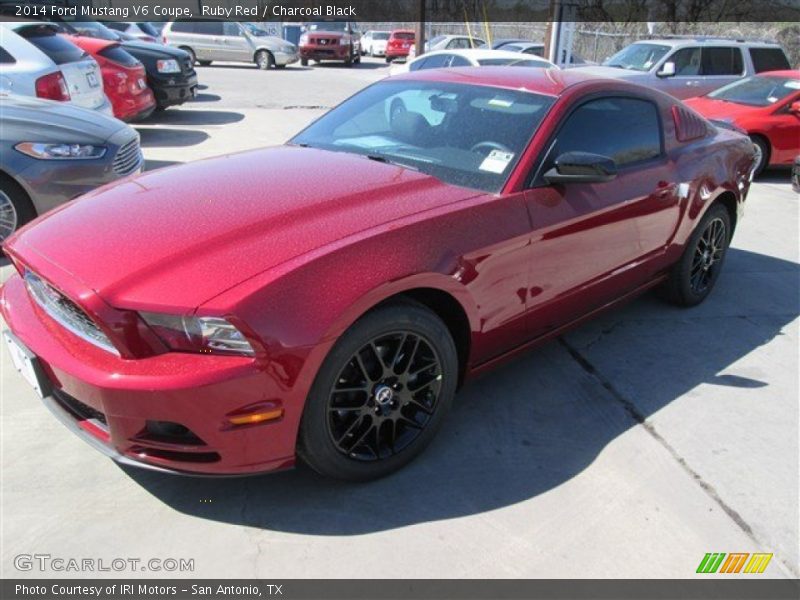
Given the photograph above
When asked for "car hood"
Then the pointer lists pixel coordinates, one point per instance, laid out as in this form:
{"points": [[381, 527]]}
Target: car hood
{"points": [[27, 119], [612, 72], [179, 236], [719, 109], [154, 50]]}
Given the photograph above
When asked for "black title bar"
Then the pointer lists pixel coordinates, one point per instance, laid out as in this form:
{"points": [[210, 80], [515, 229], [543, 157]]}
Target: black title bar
{"points": [[619, 11]]}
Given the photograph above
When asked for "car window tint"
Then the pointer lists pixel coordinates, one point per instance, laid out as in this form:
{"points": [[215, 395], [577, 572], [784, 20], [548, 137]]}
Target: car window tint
{"points": [[208, 27], [5, 57], [769, 59], [722, 61], [183, 26], [148, 29], [687, 62], [625, 129], [116, 26], [59, 50]]}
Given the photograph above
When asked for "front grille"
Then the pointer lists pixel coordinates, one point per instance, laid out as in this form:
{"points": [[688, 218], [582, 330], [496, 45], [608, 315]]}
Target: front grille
{"points": [[79, 410], [65, 312], [128, 158]]}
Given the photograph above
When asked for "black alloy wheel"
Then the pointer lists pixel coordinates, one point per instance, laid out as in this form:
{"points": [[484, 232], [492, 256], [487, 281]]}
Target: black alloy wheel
{"points": [[694, 276], [381, 394]]}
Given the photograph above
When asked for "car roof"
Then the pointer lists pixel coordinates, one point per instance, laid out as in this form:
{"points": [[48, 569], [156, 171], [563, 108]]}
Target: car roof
{"points": [[551, 82], [707, 41], [481, 53]]}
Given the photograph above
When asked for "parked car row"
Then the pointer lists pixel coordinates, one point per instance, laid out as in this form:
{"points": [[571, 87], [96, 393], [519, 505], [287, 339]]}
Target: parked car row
{"points": [[95, 67]]}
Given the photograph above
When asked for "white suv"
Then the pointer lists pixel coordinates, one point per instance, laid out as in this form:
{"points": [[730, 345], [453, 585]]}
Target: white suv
{"points": [[35, 61]]}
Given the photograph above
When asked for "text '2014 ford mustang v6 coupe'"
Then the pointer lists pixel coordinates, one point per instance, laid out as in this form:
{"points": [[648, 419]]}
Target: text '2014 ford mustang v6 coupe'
{"points": [[230, 315]]}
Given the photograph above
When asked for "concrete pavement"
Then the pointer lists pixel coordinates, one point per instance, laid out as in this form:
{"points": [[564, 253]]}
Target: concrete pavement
{"points": [[630, 448]]}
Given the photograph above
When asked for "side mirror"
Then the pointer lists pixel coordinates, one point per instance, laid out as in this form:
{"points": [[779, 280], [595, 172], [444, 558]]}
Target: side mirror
{"points": [[667, 69], [582, 167], [794, 107]]}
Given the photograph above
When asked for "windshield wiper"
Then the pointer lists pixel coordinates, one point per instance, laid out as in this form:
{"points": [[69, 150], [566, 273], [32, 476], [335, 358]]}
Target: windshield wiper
{"points": [[384, 159]]}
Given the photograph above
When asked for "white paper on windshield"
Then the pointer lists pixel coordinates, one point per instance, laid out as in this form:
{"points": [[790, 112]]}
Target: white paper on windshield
{"points": [[497, 161]]}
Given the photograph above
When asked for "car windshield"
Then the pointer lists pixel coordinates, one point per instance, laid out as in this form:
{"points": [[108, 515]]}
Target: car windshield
{"points": [[380, 35], [638, 57], [327, 26], [467, 135], [403, 35], [757, 91]]}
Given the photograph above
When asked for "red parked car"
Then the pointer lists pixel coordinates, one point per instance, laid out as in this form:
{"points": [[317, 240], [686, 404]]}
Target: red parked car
{"points": [[220, 318], [124, 78], [399, 44], [330, 40], [767, 107]]}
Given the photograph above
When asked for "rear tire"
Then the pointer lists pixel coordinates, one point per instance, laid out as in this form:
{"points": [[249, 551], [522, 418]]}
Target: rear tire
{"points": [[16, 207], [762, 153], [400, 366], [694, 276]]}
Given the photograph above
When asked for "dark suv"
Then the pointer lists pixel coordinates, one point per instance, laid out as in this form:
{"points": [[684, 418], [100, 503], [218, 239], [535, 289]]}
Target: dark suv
{"points": [[330, 40]]}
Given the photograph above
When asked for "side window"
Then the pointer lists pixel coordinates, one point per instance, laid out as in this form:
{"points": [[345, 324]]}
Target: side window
{"points": [[535, 50], [722, 61], [5, 57], [625, 129], [459, 61], [687, 62], [183, 27], [769, 59], [437, 61], [208, 27], [418, 64], [231, 29]]}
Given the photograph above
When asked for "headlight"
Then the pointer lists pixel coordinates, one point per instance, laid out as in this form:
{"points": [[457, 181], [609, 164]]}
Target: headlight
{"points": [[168, 66], [60, 151], [208, 335], [303, 40]]}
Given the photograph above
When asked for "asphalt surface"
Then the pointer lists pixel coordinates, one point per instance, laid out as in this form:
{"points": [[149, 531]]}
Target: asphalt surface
{"points": [[629, 448]]}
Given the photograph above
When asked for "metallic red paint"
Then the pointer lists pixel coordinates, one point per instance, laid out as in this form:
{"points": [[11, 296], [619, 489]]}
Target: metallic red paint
{"points": [[776, 122], [294, 256]]}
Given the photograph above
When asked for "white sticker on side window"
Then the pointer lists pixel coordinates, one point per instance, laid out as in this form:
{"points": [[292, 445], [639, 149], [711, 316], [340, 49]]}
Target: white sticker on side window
{"points": [[497, 161]]}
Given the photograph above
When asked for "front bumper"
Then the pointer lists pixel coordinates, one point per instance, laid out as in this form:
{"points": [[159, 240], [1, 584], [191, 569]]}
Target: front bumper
{"points": [[326, 52], [172, 90], [286, 58], [111, 402]]}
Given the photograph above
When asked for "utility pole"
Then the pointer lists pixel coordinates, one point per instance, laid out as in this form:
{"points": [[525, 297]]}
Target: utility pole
{"points": [[419, 34]]}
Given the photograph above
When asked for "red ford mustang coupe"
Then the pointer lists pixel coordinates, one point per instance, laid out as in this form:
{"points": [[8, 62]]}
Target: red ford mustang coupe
{"points": [[325, 299], [767, 107]]}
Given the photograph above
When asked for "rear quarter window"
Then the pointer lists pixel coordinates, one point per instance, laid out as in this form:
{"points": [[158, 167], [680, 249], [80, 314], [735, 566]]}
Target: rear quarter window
{"points": [[59, 50], [769, 59]]}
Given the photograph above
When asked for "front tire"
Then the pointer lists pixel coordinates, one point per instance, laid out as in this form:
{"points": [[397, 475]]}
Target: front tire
{"points": [[190, 52], [304, 62], [381, 395], [694, 276], [16, 207], [264, 60]]}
